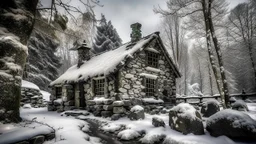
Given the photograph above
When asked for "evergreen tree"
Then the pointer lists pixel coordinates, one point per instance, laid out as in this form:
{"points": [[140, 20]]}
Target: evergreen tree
{"points": [[42, 64], [107, 37]]}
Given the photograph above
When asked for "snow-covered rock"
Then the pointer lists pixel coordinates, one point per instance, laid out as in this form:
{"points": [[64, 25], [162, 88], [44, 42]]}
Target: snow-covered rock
{"points": [[210, 107], [158, 122], [27, 106], [152, 100], [128, 134], [152, 138], [239, 105], [111, 127], [136, 113], [232, 123], [118, 103], [186, 119]]}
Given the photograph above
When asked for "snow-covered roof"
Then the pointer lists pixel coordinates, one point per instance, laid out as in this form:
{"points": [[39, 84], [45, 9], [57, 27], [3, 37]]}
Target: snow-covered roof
{"points": [[27, 84], [104, 63]]}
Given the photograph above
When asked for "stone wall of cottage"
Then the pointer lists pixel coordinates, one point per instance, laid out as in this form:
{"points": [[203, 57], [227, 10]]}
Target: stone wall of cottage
{"points": [[132, 77]]}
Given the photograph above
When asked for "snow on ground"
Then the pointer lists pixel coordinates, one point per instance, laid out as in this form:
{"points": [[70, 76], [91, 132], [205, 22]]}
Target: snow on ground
{"points": [[28, 84], [252, 110], [68, 129], [155, 133], [16, 133], [46, 95], [71, 130]]}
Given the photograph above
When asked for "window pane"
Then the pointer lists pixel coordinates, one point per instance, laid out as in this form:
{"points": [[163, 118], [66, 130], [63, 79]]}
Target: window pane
{"points": [[99, 87]]}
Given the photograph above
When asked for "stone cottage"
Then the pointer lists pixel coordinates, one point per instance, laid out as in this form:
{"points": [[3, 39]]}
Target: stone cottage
{"points": [[140, 71]]}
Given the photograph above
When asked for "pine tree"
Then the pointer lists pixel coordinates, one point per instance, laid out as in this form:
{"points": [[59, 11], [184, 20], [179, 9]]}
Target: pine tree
{"points": [[42, 64], [107, 37]]}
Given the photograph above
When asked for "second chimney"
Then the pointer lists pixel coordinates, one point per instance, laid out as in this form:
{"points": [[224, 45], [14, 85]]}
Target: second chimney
{"points": [[136, 32], [83, 53]]}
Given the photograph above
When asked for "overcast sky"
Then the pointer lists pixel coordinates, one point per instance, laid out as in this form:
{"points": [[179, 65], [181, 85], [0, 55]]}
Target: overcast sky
{"points": [[123, 13]]}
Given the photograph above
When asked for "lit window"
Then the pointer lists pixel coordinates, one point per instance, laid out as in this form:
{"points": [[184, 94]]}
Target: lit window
{"points": [[99, 87], [150, 87], [152, 59]]}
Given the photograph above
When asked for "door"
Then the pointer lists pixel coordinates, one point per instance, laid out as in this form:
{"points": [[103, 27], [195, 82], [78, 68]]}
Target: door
{"points": [[77, 96], [81, 95]]}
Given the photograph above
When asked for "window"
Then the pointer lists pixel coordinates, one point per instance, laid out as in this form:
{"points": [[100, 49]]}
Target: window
{"points": [[99, 87], [58, 92], [152, 59], [150, 87]]}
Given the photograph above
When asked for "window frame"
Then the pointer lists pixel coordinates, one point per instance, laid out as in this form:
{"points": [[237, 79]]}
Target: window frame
{"points": [[58, 91], [99, 86], [152, 59], [150, 87]]}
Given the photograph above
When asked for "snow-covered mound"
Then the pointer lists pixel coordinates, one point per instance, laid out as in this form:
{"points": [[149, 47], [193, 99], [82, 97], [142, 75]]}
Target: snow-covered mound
{"points": [[30, 85]]}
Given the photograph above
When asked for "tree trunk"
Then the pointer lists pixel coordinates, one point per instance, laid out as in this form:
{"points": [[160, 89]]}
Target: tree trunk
{"points": [[252, 61], [219, 56], [200, 75], [210, 53], [210, 79], [16, 25]]}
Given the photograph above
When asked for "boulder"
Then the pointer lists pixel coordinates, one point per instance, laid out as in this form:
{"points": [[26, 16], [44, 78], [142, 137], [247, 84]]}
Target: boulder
{"points": [[136, 113], [118, 103], [240, 105], [107, 107], [210, 107], [186, 119], [37, 140], [233, 124], [106, 113], [115, 117], [108, 102], [127, 102], [91, 102], [119, 110], [158, 122]]}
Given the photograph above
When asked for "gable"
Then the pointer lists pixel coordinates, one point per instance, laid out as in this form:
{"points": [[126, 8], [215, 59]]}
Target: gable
{"points": [[157, 46]]}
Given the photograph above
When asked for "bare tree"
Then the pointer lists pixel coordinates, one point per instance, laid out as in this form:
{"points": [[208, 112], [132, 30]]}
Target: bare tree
{"points": [[183, 8], [242, 28]]}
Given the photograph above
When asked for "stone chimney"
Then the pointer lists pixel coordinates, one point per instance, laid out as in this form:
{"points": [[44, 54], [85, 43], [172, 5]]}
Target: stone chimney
{"points": [[136, 32], [84, 53]]}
